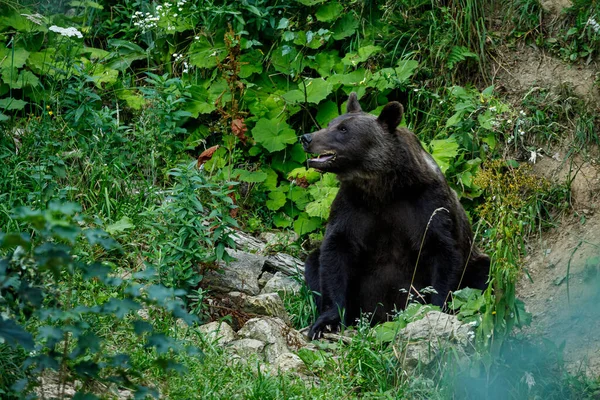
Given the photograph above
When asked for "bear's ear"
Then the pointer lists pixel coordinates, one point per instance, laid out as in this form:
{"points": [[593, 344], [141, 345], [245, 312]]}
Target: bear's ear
{"points": [[391, 115], [353, 106]]}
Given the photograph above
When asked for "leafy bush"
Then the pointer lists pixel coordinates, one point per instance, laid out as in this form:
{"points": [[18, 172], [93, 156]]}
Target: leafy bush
{"points": [[58, 332]]}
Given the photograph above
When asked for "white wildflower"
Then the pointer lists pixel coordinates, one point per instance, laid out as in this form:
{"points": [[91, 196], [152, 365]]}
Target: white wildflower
{"points": [[594, 24], [175, 15], [492, 109], [534, 154], [521, 132], [522, 113], [509, 121], [35, 18], [529, 379], [197, 37], [68, 32]]}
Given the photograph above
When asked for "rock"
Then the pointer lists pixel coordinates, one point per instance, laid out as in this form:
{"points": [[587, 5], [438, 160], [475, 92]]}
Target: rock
{"points": [[240, 275], [285, 263], [264, 278], [277, 336], [269, 304], [288, 362], [219, 332], [281, 284], [247, 347], [422, 340], [278, 238]]}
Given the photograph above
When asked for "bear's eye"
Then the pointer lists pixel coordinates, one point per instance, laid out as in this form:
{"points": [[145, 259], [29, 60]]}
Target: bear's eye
{"points": [[343, 129]]}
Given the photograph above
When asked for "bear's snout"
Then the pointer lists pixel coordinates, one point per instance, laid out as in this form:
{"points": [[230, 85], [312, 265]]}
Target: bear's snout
{"points": [[306, 139]]}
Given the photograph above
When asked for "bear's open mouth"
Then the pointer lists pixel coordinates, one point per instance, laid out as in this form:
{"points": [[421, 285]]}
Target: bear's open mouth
{"points": [[326, 156]]}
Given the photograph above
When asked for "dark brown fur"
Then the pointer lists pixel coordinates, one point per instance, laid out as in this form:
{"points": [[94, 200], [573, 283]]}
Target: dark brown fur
{"points": [[390, 190]]}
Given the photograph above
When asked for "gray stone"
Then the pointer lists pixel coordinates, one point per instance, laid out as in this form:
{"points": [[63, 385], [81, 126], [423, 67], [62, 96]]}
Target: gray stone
{"points": [[240, 275], [288, 362], [277, 336], [268, 304], [264, 278], [217, 332], [248, 347], [423, 340], [278, 238], [281, 284]]}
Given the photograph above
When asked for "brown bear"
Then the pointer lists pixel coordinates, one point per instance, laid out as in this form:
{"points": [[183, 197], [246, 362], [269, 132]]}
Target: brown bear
{"points": [[395, 226]]}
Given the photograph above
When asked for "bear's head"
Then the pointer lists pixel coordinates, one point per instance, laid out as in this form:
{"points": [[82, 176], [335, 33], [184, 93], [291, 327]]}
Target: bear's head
{"points": [[356, 143]]}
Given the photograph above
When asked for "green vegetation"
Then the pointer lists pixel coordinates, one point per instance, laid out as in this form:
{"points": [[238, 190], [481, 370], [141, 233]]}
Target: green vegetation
{"points": [[134, 135]]}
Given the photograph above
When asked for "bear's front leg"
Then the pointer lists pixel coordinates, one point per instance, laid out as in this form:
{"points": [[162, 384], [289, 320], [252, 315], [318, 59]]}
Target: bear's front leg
{"points": [[335, 262]]}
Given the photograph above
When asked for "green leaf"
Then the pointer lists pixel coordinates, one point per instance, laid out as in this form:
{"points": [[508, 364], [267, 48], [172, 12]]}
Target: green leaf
{"points": [[329, 12], [294, 96], [287, 60], [249, 176], [362, 55], [251, 63], [485, 120], [310, 2], [304, 224], [25, 78], [198, 101], [454, 119], [323, 197], [327, 111], [12, 104], [273, 134], [203, 54], [316, 89], [345, 26], [326, 62], [443, 152], [276, 200], [281, 220], [13, 57], [120, 226], [15, 335]]}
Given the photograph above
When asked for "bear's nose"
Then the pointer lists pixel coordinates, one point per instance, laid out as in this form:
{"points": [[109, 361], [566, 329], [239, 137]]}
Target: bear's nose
{"points": [[306, 139]]}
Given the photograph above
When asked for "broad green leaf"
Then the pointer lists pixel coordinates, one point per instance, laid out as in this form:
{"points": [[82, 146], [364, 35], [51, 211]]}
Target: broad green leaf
{"points": [[405, 69], [251, 62], [95, 53], [323, 197], [276, 200], [281, 220], [120, 226], [124, 54], [102, 74], [249, 176], [86, 4], [361, 55], [316, 89], [443, 152], [286, 59], [133, 100], [305, 224], [299, 196], [294, 96], [345, 26], [309, 175], [198, 101], [270, 183], [454, 119], [329, 12], [273, 134], [327, 111], [360, 77], [203, 54], [25, 78], [485, 120], [326, 63], [12, 104], [15, 335], [13, 57]]}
